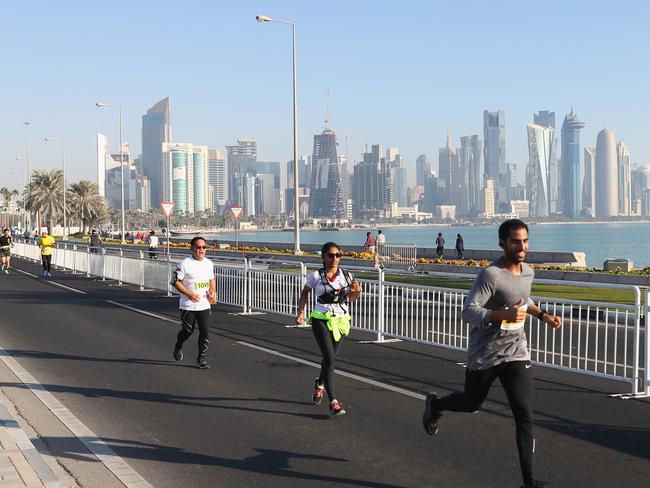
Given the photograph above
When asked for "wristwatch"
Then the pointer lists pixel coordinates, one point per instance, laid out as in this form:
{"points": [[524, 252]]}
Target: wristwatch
{"points": [[541, 314]]}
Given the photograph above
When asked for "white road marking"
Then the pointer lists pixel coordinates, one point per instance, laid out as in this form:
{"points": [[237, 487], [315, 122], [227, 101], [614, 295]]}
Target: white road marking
{"points": [[69, 288], [352, 376], [143, 312], [115, 464]]}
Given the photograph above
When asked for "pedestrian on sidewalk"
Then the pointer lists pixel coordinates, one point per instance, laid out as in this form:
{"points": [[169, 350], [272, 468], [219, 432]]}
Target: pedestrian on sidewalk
{"points": [[330, 319], [440, 245], [194, 279], [460, 246], [371, 246], [496, 309], [153, 243], [94, 240], [47, 249], [6, 241], [381, 240]]}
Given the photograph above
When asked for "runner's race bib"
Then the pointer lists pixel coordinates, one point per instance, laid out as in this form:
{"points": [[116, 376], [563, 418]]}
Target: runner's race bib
{"points": [[201, 285], [509, 326]]}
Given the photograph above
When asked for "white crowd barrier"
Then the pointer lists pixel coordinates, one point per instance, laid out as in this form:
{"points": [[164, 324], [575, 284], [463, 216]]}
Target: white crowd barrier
{"points": [[601, 339]]}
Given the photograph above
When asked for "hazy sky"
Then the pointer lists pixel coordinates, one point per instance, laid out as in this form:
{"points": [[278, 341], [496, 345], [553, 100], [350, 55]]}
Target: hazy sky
{"points": [[402, 72]]}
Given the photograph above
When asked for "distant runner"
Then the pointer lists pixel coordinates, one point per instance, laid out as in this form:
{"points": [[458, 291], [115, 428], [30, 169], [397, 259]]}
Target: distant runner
{"points": [[6, 242], [47, 249], [194, 279], [496, 309], [329, 320], [153, 242]]}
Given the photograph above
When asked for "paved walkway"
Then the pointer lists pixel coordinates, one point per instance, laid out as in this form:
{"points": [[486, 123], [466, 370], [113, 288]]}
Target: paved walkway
{"points": [[21, 465]]}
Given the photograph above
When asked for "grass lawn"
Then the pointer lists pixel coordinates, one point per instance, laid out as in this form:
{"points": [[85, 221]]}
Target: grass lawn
{"points": [[608, 295]]}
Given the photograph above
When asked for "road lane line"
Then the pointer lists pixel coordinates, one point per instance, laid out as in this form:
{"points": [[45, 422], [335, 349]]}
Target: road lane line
{"points": [[352, 376], [69, 288], [143, 312], [115, 464]]}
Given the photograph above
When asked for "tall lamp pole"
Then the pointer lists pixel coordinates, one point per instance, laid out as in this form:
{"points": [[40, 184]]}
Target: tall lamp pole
{"points": [[28, 124], [101, 105], [296, 202], [65, 223]]}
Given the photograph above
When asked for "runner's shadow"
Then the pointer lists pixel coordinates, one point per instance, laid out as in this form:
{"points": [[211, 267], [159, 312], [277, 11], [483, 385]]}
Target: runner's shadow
{"points": [[269, 462], [214, 402]]}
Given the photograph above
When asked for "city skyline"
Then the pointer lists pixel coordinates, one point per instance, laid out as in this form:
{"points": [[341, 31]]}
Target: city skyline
{"points": [[56, 85]]}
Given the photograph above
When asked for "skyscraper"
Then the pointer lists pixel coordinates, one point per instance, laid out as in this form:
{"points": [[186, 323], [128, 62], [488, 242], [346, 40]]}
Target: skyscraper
{"points": [[450, 170], [185, 176], [570, 168], [624, 179], [218, 178], [422, 170], [589, 182], [240, 158], [326, 192], [371, 193], [156, 130], [494, 151], [470, 160], [606, 175], [540, 144], [545, 118]]}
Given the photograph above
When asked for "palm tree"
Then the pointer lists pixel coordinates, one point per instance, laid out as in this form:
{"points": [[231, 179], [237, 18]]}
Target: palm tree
{"points": [[6, 196], [86, 203], [45, 195]]}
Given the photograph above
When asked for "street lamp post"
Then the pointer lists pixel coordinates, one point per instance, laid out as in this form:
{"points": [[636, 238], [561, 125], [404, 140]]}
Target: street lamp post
{"points": [[101, 105], [296, 202], [65, 222], [28, 124]]}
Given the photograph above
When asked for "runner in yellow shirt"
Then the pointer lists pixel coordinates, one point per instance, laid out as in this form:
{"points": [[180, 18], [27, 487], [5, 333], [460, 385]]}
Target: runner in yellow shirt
{"points": [[47, 249]]}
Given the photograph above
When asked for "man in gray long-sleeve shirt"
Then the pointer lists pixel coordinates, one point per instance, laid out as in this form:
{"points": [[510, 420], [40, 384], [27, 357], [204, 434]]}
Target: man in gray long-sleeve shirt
{"points": [[496, 309]]}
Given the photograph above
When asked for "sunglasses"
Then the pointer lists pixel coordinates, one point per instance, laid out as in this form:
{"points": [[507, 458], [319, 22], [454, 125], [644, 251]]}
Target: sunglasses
{"points": [[332, 255], [200, 247]]}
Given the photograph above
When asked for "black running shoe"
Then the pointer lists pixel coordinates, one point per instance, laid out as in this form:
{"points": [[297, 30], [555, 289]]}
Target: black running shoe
{"points": [[201, 363], [536, 484], [319, 392], [178, 353], [431, 416]]}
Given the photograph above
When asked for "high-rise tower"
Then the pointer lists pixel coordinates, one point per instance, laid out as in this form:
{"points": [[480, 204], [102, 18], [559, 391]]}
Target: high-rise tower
{"points": [[606, 175], [470, 160], [494, 151], [624, 179], [545, 118], [450, 170], [540, 143], [156, 130], [326, 193], [589, 182], [570, 168]]}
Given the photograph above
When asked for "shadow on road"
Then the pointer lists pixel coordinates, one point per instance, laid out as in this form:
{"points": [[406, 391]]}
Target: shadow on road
{"points": [[267, 461]]}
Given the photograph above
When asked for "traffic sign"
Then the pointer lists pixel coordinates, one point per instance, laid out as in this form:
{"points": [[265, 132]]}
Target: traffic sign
{"points": [[236, 211], [168, 208]]}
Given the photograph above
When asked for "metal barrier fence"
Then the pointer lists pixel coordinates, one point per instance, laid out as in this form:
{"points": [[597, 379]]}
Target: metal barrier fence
{"points": [[399, 253], [601, 339]]}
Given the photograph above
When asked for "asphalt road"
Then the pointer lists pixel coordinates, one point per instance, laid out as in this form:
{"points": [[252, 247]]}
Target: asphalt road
{"points": [[249, 420]]}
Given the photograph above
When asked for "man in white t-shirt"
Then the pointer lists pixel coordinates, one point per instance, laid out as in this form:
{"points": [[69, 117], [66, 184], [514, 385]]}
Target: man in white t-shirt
{"points": [[194, 279], [153, 245]]}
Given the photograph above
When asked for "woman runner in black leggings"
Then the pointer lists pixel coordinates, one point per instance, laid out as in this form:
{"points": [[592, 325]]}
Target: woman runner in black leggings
{"points": [[330, 319]]}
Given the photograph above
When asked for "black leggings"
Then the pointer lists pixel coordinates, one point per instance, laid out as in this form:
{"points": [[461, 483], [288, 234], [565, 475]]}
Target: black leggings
{"points": [[46, 260], [517, 380], [329, 348], [189, 318]]}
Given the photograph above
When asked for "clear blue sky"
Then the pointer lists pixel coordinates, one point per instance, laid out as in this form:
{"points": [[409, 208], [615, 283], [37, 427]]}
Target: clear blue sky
{"points": [[404, 72]]}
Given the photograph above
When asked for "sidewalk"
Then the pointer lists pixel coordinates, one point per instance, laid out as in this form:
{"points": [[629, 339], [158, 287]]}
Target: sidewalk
{"points": [[21, 465]]}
